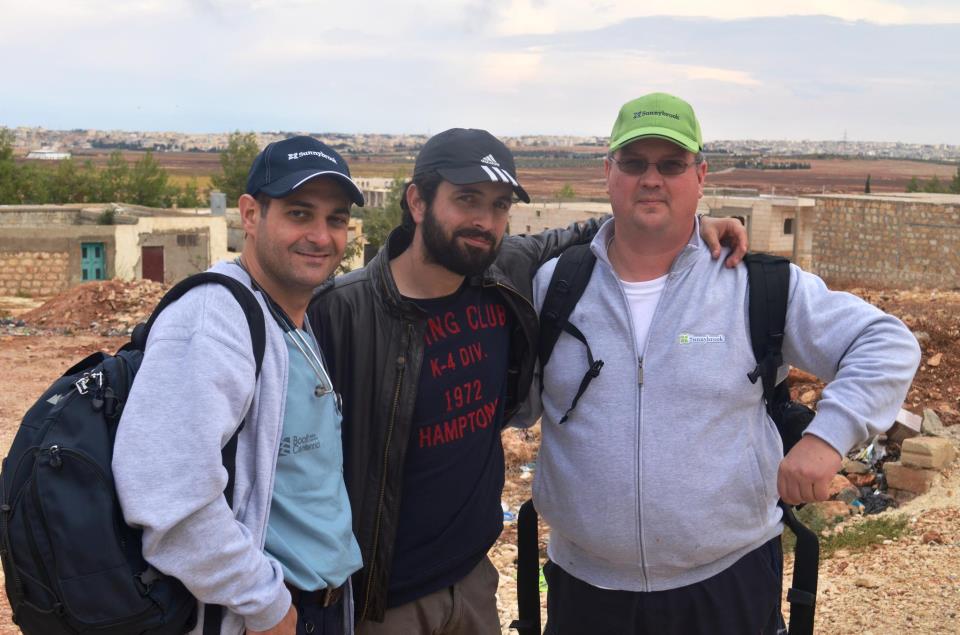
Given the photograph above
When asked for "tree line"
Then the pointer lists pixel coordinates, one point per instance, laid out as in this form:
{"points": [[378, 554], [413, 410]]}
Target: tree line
{"points": [[70, 181], [759, 164], [935, 185], [144, 182]]}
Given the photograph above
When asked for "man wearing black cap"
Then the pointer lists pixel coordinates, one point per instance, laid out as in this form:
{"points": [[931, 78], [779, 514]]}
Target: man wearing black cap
{"points": [[278, 558], [433, 346]]}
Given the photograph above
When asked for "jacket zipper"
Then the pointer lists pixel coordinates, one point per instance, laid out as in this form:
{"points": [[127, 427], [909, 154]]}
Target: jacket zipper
{"points": [[401, 363], [643, 557], [516, 293]]}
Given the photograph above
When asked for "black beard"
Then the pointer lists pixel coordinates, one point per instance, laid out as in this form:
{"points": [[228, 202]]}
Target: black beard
{"points": [[465, 260]]}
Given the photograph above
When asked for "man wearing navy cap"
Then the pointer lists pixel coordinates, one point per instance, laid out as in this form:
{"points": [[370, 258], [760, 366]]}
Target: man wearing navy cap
{"points": [[277, 560], [433, 345]]}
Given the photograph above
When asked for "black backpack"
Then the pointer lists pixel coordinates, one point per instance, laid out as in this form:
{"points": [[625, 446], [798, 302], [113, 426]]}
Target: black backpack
{"points": [[71, 563], [769, 286]]}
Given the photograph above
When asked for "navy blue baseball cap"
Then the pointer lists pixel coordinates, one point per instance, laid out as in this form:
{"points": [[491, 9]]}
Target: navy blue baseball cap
{"points": [[468, 155], [285, 165]]}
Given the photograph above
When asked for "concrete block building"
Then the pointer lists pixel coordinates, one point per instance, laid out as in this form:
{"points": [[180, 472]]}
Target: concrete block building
{"points": [[891, 240], [48, 248]]}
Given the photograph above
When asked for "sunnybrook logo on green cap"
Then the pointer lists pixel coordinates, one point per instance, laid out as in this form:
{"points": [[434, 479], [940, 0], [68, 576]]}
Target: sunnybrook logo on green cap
{"points": [[657, 115]]}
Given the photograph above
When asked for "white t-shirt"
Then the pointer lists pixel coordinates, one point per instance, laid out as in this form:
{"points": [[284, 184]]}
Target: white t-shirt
{"points": [[642, 298]]}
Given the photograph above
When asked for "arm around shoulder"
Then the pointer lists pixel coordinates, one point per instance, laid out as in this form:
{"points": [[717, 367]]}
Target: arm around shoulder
{"points": [[539, 248]]}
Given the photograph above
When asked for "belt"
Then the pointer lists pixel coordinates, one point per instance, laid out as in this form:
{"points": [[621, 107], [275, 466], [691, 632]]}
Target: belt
{"points": [[323, 597]]}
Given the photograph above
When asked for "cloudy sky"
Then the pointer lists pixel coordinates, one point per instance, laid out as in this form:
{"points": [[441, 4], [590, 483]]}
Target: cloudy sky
{"points": [[885, 70]]}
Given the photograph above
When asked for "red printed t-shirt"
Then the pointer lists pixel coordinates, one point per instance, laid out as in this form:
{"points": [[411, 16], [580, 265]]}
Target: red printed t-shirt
{"points": [[450, 511]]}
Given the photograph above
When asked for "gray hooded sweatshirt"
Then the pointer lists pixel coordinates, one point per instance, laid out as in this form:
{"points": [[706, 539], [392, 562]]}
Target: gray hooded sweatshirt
{"points": [[665, 478], [196, 384]]}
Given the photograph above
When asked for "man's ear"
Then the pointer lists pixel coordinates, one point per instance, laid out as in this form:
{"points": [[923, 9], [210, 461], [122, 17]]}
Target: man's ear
{"points": [[249, 214], [607, 165], [416, 203], [701, 176]]}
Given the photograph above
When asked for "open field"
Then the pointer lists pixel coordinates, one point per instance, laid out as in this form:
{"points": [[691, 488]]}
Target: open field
{"points": [[543, 174], [835, 175]]}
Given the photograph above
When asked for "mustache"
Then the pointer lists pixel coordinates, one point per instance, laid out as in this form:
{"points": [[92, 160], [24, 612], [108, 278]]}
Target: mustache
{"points": [[476, 233]]}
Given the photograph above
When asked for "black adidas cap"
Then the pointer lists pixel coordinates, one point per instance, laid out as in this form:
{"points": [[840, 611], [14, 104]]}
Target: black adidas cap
{"points": [[285, 165], [467, 155]]}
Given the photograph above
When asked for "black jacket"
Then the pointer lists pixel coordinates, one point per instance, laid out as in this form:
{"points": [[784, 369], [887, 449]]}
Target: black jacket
{"points": [[373, 342]]}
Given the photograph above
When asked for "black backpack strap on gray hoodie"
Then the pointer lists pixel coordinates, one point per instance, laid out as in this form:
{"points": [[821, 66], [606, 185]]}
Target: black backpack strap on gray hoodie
{"points": [[213, 613], [769, 278], [769, 284], [567, 284]]}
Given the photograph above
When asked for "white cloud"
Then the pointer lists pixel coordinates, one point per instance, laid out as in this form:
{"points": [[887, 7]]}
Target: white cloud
{"points": [[420, 65], [520, 17], [508, 72]]}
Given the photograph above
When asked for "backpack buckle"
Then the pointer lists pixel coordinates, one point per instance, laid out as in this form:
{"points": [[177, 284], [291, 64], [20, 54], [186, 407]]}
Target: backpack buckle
{"points": [[145, 579]]}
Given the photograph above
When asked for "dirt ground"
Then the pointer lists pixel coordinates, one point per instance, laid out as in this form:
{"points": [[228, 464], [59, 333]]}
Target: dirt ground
{"points": [[899, 586]]}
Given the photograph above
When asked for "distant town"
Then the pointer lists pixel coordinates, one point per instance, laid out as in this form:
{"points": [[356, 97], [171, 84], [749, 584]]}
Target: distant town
{"points": [[55, 144]]}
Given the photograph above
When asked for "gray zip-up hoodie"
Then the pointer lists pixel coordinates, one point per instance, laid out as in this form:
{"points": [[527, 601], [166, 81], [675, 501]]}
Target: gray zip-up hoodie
{"points": [[193, 389], [666, 474]]}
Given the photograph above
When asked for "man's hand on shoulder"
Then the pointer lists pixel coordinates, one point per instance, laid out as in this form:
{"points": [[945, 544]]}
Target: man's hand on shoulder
{"points": [[728, 231], [287, 626], [806, 471]]}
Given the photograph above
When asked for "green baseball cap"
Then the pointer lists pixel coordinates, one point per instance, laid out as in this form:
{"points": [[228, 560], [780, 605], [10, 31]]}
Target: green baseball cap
{"points": [[657, 115]]}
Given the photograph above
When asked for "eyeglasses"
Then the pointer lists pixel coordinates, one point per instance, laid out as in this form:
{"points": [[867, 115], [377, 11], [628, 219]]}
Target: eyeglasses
{"points": [[666, 167]]}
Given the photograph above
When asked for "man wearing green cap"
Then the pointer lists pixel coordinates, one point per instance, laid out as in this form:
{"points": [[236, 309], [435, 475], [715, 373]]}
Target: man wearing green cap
{"points": [[660, 483], [433, 345]]}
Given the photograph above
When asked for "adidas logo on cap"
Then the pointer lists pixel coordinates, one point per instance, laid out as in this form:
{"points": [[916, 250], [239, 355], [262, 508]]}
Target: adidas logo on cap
{"points": [[489, 160]]}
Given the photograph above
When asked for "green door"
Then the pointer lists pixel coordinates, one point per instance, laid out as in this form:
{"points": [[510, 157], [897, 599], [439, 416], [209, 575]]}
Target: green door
{"points": [[93, 259]]}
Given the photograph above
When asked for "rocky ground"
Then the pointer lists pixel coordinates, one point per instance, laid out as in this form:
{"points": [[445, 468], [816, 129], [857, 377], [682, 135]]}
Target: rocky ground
{"points": [[906, 584]]}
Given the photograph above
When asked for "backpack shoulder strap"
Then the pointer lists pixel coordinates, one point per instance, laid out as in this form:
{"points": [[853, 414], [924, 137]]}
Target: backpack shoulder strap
{"points": [[251, 310], [769, 284], [213, 613], [567, 284], [569, 280]]}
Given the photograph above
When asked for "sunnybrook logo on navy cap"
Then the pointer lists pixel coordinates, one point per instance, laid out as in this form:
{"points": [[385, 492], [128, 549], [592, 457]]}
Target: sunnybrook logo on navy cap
{"points": [[285, 165]]}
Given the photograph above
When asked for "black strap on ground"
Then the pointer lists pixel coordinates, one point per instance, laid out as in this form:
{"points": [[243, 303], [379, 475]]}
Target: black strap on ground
{"points": [[802, 594], [567, 284], [213, 613], [528, 572]]}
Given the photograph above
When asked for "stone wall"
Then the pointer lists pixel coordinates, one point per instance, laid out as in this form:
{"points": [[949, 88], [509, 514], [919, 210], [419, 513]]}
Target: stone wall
{"points": [[887, 241], [56, 242], [39, 215], [34, 273], [533, 218]]}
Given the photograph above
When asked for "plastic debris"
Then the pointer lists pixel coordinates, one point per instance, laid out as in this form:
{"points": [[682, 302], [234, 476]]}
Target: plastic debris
{"points": [[876, 501], [872, 453]]}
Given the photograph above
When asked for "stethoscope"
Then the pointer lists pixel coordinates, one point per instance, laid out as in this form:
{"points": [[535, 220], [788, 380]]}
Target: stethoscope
{"points": [[325, 384]]}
